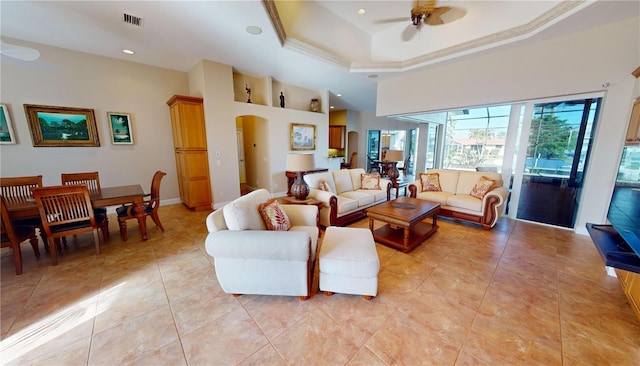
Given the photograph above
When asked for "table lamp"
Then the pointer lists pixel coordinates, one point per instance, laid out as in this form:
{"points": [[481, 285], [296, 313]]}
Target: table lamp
{"points": [[300, 163], [391, 159]]}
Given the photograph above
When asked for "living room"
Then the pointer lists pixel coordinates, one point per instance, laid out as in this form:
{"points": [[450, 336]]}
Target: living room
{"points": [[577, 63]]}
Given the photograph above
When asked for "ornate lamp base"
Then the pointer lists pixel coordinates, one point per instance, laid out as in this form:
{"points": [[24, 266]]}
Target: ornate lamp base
{"points": [[300, 188]]}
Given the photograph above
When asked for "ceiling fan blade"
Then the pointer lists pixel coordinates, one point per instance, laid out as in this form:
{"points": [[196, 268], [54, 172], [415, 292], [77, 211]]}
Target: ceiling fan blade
{"points": [[19, 52], [454, 13], [410, 32], [433, 20]]}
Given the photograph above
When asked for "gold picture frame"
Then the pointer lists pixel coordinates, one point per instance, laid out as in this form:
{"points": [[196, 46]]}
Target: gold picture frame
{"points": [[303, 136], [61, 126]]}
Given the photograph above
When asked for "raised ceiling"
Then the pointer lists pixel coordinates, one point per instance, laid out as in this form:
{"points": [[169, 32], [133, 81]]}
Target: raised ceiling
{"points": [[322, 45]]}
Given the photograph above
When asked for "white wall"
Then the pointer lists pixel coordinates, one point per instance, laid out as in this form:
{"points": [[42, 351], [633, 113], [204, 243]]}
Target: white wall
{"points": [[73, 79], [577, 63], [276, 140], [214, 83]]}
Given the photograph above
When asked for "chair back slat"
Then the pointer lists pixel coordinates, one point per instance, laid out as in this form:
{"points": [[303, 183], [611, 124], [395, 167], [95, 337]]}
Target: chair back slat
{"points": [[90, 179], [66, 204], [18, 189]]}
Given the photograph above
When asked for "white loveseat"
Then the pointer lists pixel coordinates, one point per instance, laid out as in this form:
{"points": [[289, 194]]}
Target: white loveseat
{"points": [[249, 259], [457, 202], [345, 201]]}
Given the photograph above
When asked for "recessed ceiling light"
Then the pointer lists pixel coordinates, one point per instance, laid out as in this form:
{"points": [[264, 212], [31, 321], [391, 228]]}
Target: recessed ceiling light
{"points": [[339, 94], [372, 76], [128, 52], [252, 29], [362, 11]]}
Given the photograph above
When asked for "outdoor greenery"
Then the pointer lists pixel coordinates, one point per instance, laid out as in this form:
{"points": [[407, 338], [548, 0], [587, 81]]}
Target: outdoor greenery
{"points": [[550, 137]]}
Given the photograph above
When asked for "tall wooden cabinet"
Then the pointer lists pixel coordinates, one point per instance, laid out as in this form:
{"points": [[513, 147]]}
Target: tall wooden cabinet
{"points": [[190, 145]]}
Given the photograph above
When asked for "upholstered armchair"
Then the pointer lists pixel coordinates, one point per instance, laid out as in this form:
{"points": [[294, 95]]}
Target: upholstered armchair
{"points": [[251, 259]]}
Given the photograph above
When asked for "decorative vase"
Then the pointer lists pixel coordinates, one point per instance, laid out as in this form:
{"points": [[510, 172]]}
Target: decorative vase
{"points": [[315, 105]]}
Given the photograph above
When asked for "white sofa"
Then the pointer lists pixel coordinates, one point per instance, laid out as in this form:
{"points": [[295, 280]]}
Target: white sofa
{"points": [[345, 202], [249, 259], [455, 200]]}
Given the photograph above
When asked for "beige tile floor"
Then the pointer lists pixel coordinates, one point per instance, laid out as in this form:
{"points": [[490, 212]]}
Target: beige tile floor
{"points": [[518, 294]]}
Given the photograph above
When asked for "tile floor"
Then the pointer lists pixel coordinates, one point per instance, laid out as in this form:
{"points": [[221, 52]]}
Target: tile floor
{"points": [[518, 294]]}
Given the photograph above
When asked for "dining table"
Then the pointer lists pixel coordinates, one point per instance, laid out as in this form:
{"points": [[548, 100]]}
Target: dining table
{"points": [[25, 207]]}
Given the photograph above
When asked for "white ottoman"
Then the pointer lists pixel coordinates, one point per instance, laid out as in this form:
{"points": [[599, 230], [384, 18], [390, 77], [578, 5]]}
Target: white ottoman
{"points": [[349, 262]]}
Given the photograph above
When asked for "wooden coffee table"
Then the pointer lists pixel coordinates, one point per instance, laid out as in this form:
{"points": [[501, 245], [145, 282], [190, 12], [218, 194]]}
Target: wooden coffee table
{"points": [[404, 229]]}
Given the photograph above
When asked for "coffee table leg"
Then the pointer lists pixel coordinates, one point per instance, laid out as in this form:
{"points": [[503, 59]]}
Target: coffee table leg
{"points": [[405, 240], [371, 224]]}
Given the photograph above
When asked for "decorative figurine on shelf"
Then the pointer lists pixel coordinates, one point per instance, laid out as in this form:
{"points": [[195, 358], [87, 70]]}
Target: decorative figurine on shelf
{"points": [[281, 100], [315, 106], [246, 87]]}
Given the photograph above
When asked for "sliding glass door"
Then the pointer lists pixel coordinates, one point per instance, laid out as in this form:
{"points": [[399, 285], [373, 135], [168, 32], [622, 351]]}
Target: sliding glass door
{"points": [[555, 143]]}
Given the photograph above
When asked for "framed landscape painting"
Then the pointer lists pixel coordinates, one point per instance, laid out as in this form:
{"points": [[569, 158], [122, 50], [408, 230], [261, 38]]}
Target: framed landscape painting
{"points": [[120, 127], [61, 126], [303, 137], [6, 130]]}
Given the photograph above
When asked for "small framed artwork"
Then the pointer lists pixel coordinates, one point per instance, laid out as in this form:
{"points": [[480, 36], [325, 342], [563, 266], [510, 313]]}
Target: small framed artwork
{"points": [[120, 127], [303, 137], [61, 126], [6, 130]]}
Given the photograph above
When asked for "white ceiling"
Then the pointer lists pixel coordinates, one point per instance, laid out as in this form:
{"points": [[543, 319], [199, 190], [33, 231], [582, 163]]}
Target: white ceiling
{"points": [[320, 45]]}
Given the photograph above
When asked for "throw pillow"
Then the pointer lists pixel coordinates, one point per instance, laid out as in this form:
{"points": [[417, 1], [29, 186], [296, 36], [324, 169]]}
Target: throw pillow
{"points": [[430, 182], [324, 185], [370, 181], [274, 216], [483, 186]]}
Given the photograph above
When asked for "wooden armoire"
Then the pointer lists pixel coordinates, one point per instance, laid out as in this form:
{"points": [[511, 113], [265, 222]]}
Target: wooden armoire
{"points": [[190, 145]]}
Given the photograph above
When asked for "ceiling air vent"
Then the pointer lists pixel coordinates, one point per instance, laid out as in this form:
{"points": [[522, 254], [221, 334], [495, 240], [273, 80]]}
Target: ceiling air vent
{"points": [[132, 19]]}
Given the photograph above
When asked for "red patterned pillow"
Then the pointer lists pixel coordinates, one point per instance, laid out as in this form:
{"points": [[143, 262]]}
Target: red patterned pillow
{"points": [[483, 186], [430, 182], [274, 216], [370, 181]]}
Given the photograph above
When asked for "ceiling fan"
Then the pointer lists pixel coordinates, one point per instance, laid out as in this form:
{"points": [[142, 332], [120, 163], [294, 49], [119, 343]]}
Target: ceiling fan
{"points": [[21, 53], [430, 14]]}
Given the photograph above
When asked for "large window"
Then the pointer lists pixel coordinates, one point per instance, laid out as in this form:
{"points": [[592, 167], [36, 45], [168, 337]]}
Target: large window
{"points": [[476, 137], [431, 147], [544, 154]]}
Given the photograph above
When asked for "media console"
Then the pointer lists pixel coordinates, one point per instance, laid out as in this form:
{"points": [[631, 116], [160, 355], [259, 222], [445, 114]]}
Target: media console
{"points": [[616, 253], [613, 249]]}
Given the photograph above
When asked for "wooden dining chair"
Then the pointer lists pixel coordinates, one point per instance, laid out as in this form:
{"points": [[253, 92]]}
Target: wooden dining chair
{"points": [[144, 209], [17, 191], [353, 160], [92, 181], [405, 166], [12, 236], [66, 210]]}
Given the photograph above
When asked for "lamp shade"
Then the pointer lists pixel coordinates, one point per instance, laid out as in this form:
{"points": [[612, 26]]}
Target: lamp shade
{"points": [[394, 155], [300, 162]]}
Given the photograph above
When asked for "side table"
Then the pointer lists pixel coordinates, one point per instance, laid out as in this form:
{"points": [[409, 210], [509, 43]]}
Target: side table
{"points": [[308, 201]]}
